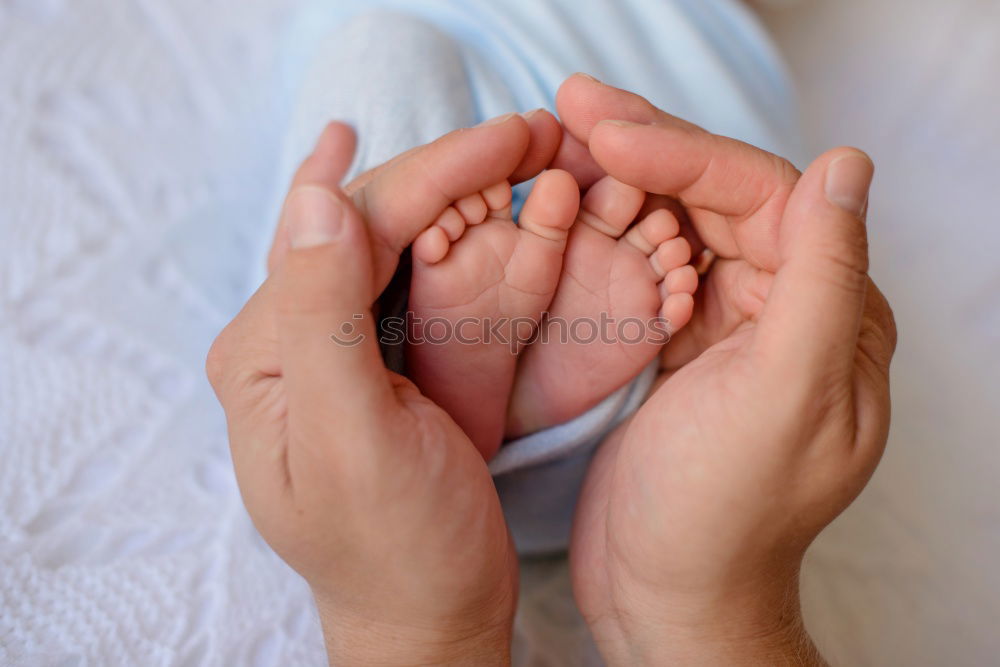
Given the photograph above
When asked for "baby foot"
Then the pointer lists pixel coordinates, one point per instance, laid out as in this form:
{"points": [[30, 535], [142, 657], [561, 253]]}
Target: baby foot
{"points": [[479, 286], [624, 290]]}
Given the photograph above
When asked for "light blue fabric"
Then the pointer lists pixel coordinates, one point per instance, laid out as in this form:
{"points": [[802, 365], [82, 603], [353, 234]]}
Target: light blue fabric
{"points": [[708, 61], [405, 72]]}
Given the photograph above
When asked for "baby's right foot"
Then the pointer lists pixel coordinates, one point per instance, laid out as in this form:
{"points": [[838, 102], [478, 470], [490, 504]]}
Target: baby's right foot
{"points": [[624, 290], [480, 282]]}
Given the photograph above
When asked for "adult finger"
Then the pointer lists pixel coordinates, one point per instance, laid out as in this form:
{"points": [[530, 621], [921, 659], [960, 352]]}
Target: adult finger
{"points": [[734, 192], [574, 157], [814, 309], [325, 167], [545, 137], [703, 170], [407, 196], [582, 102]]}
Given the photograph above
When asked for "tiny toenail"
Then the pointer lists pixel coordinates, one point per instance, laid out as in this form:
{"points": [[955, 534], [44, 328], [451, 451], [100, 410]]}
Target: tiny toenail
{"points": [[587, 76], [528, 114], [498, 120]]}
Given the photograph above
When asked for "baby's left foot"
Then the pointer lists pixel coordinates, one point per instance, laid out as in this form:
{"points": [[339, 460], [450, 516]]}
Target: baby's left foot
{"points": [[480, 284]]}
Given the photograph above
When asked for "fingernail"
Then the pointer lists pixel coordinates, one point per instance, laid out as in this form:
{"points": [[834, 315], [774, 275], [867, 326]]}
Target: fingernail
{"points": [[315, 217], [587, 76], [618, 123], [498, 120], [528, 114], [848, 180]]}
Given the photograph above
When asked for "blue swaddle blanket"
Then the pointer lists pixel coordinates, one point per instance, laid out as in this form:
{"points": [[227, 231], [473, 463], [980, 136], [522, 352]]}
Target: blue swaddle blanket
{"points": [[405, 72]]}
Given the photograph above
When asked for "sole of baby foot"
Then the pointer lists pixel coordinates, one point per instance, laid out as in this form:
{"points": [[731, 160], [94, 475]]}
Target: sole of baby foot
{"points": [[479, 286], [626, 288]]}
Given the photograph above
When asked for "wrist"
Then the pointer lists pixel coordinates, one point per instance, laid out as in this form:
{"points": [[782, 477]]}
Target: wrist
{"points": [[761, 625], [776, 641], [352, 639]]}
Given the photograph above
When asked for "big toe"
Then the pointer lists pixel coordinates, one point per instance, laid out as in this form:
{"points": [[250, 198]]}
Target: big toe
{"points": [[552, 206]]}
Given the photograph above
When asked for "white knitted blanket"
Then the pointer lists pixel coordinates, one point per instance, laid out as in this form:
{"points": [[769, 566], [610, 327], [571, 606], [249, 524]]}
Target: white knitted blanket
{"points": [[132, 152]]}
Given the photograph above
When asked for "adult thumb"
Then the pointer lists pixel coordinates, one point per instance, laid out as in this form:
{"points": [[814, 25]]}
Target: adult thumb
{"points": [[330, 361], [814, 309]]}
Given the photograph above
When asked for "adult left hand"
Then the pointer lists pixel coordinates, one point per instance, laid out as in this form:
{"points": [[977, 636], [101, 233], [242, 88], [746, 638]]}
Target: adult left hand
{"points": [[362, 485]]}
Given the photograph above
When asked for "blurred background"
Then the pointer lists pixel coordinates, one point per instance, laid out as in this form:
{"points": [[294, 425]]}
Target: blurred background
{"points": [[908, 576], [137, 158]]}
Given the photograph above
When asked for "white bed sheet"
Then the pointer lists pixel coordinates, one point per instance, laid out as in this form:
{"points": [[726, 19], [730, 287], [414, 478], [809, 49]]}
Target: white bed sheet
{"points": [[138, 144]]}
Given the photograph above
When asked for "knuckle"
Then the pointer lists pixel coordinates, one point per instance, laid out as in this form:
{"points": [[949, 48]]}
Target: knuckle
{"points": [[843, 270], [883, 319], [892, 331], [786, 175], [216, 361], [850, 254]]}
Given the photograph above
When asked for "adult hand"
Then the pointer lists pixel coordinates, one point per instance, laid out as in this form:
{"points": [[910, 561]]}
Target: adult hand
{"points": [[774, 411], [365, 487], [393, 197]]}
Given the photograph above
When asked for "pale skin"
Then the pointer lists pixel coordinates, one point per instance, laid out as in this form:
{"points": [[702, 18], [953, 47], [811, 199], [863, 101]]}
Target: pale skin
{"points": [[475, 270], [365, 487], [579, 262], [498, 273], [773, 406], [771, 415]]}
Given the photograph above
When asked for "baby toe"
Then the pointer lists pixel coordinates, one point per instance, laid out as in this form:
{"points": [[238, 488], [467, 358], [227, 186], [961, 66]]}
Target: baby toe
{"points": [[431, 246], [656, 228], [452, 222], [683, 279], [498, 197], [677, 311], [473, 208], [670, 255]]}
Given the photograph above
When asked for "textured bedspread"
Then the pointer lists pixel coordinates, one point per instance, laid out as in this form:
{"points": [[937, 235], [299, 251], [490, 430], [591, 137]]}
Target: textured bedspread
{"points": [[133, 188], [909, 575], [138, 141]]}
